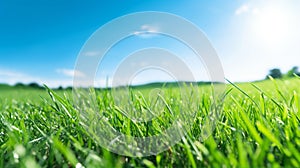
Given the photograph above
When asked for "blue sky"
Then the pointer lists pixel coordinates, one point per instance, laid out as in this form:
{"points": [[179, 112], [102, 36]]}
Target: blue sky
{"points": [[40, 40]]}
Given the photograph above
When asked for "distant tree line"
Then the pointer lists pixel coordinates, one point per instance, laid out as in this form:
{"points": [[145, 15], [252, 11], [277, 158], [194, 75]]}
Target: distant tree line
{"points": [[31, 85], [276, 73], [37, 86]]}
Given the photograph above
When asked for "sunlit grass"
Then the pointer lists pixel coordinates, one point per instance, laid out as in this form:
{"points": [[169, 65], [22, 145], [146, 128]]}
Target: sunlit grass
{"points": [[258, 127]]}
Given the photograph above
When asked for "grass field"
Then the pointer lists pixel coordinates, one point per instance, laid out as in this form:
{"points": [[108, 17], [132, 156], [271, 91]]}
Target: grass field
{"points": [[258, 127]]}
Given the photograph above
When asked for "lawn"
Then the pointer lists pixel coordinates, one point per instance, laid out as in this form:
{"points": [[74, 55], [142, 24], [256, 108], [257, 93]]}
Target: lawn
{"points": [[258, 126]]}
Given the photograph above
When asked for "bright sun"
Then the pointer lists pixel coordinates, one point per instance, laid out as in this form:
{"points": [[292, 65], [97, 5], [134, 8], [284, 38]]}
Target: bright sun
{"points": [[272, 26]]}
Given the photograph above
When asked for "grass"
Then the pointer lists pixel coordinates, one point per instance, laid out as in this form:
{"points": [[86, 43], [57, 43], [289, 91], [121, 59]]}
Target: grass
{"points": [[258, 127]]}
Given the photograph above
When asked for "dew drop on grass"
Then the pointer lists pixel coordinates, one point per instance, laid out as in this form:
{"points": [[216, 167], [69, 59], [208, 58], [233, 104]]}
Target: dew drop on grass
{"points": [[16, 156], [19, 151], [79, 165]]}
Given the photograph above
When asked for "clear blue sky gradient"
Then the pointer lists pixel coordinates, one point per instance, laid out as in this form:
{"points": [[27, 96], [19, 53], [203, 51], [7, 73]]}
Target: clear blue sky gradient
{"points": [[41, 39]]}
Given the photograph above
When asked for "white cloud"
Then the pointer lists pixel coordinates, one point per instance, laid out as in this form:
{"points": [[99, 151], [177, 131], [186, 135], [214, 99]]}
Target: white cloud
{"points": [[12, 77], [246, 8], [70, 72], [242, 9], [8, 73]]}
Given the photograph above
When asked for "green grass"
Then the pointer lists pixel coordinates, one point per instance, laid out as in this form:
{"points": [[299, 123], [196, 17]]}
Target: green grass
{"points": [[258, 127]]}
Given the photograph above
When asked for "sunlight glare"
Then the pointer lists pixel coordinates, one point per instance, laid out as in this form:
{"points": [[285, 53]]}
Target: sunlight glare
{"points": [[272, 26]]}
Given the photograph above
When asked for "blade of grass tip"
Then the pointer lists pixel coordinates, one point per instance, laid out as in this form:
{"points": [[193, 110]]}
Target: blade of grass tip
{"points": [[291, 102], [248, 124], [277, 89], [272, 99], [227, 92], [63, 103], [146, 105], [296, 101], [165, 102], [128, 117], [138, 96], [262, 100], [121, 111], [242, 92], [189, 152], [262, 104], [52, 98], [148, 163], [198, 153], [202, 148]]}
